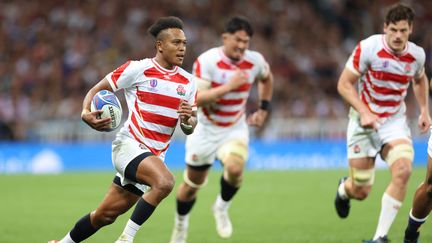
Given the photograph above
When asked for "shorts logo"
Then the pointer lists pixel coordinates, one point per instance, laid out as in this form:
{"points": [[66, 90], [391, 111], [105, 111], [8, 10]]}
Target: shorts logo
{"points": [[356, 149], [194, 157]]}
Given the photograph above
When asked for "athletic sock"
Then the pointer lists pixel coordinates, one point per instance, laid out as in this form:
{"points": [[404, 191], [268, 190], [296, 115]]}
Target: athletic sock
{"points": [[184, 207], [227, 191], [389, 209], [82, 230], [342, 192], [67, 239], [141, 213], [413, 227]]}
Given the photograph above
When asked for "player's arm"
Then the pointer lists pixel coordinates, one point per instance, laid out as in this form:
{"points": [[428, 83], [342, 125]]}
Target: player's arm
{"points": [[265, 94], [346, 88], [207, 94], [421, 92], [91, 117]]}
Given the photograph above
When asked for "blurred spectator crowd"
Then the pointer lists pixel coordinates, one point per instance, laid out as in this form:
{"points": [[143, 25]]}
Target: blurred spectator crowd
{"points": [[53, 51]]}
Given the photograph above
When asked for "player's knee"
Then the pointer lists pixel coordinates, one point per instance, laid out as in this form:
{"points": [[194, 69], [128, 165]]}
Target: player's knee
{"points": [[234, 170], [164, 185]]}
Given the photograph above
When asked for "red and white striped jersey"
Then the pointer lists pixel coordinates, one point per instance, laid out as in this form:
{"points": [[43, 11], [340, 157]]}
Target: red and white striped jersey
{"points": [[214, 66], [153, 95], [384, 75]]}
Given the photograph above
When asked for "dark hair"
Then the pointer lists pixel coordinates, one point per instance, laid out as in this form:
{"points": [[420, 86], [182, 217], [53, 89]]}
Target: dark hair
{"points": [[165, 23], [398, 12], [239, 23]]}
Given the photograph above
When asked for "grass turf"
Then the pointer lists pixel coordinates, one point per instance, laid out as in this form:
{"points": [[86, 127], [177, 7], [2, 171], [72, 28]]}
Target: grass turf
{"points": [[286, 206]]}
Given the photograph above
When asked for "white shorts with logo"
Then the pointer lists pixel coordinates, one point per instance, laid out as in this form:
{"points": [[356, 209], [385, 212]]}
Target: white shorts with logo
{"points": [[203, 144], [367, 142], [124, 150]]}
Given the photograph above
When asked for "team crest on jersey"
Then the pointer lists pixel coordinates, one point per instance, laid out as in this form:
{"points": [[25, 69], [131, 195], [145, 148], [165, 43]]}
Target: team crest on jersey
{"points": [[407, 68], [181, 90], [153, 83]]}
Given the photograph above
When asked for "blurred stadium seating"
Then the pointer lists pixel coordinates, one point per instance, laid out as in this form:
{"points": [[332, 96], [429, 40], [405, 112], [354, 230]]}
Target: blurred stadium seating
{"points": [[52, 52]]}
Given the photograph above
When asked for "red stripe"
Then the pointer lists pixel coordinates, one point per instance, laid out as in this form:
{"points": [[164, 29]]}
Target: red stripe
{"points": [[380, 102], [405, 58], [155, 118], [245, 65], [224, 66], [229, 101], [382, 114], [197, 69], [242, 88], [158, 99], [153, 150], [117, 73], [386, 76], [176, 78], [157, 136], [356, 60], [384, 90], [221, 124]]}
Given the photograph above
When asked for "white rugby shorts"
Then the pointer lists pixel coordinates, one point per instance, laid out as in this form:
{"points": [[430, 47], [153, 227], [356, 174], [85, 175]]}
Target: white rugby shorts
{"points": [[203, 144], [124, 150], [367, 142]]}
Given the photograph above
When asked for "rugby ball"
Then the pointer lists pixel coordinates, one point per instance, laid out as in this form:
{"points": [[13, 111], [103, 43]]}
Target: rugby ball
{"points": [[107, 102]]}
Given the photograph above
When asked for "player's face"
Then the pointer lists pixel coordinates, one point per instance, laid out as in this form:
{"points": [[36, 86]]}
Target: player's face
{"points": [[172, 47], [235, 44], [397, 34]]}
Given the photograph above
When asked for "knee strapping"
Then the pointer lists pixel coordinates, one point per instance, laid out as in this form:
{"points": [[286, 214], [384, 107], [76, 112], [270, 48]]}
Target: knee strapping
{"points": [[363, 177], [400, 151], [192, 184]]}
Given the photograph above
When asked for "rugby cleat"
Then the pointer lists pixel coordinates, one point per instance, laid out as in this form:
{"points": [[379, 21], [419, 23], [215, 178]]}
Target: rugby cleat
{"points": [[223, 222], [124, 239], [179, 234], [383, 239], [52, 241], [342, 205]]}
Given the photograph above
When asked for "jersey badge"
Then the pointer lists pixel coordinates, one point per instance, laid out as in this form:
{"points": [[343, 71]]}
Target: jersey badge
{"points": [[386, 64], [407, 68], [181, 90], [356, 149]]}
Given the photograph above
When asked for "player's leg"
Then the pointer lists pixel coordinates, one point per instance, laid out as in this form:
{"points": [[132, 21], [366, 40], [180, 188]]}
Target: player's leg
{"points": [[117, 201], [149, 170], [399, 155], [356, 186], [422, 206], [233, 155], [194, 178]]}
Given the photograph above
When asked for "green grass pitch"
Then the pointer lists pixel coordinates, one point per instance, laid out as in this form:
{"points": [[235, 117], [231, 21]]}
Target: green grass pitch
{"points": [[274, 207]]}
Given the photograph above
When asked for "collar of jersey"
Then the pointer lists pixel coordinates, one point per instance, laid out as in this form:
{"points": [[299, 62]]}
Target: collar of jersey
{"points": [[164, 70], [389, 50]]}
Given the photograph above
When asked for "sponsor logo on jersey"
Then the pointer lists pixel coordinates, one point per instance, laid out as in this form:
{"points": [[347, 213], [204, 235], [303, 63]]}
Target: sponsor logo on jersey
{"points": [[181, 90]]}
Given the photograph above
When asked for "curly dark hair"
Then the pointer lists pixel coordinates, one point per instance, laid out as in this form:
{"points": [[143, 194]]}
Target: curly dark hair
{"points": [[165, 23], [398, 12]]}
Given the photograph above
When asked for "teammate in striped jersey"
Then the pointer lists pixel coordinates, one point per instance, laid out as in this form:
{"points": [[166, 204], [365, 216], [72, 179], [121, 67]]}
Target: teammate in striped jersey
{"points": [[383, 66], [422, 202], [226, 75], [158, 94]]}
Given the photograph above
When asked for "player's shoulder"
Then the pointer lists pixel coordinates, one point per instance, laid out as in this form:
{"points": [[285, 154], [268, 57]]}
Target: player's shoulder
{"points": [[415, 50], [185, 73], [253, 55]]}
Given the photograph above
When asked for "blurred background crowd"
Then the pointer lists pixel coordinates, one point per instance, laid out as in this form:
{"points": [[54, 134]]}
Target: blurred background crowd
{"points": [[53, 51]]}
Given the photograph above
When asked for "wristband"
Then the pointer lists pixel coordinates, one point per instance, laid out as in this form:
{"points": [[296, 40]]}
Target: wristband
{"points": [[265, 105]]}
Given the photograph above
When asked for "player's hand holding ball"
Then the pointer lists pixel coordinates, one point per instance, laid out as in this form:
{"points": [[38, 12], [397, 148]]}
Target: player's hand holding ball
{"points": [[105, 112]]}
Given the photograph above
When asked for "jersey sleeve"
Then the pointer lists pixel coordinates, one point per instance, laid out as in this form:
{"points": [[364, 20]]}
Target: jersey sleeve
{"points": [[264, 68], [124, 76], [420, 63], [192, 98], [358, 62]]}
